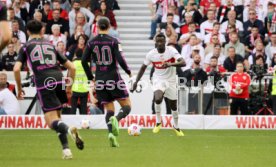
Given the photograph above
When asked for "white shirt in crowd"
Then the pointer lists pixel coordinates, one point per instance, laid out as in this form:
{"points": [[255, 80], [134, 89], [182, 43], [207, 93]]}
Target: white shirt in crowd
{"points": [[221, 58], [176, 19], [224, 26], [8, 102], [206, 27], [207, 38], [197, 34], [157, 59]]}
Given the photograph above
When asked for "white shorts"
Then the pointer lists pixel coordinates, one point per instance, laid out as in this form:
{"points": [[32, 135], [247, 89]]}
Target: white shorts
{"points": [[169, 88]]}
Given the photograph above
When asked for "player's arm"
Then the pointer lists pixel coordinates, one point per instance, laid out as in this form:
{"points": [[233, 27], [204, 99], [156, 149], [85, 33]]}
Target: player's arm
{"points": [[121, 60], [16, 70], [86, 57], [180, 60], [5, 32]]}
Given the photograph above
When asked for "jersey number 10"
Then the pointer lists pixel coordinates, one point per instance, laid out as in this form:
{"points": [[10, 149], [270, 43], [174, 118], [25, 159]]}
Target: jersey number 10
{"points": [[44, 54], [105, 57]]}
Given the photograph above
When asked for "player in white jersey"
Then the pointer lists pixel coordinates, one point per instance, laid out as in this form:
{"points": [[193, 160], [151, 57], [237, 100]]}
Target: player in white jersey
{"points": [[165, 59]]}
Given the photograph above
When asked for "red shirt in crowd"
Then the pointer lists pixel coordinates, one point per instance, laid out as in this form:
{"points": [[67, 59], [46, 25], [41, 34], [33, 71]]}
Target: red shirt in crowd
{"points": [[242, 79], [206, 4], [220, 68]]}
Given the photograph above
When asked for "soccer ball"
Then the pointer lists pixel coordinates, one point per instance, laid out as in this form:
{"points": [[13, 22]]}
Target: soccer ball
{"points": [[134, 130], [85, 124]]}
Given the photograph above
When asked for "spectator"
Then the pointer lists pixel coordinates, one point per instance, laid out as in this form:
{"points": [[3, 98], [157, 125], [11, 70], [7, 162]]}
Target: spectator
{"points": [[257, 8], [81, 20], [220, 57], [231, 61], [9, 59], [103, 11], [273, 60], [21, 8], [270, 19], [61, 48], [45, 11], [16, 42], [239, 93], [163, 26], [8, 102], [80, 87], [184, 38], [12, 17], [234, 42], [215, 31], [66, 5], [210, 46], [184, 28], [21, 34], [170, 33], [81, 43], [229, 6], [38, 16], [191, 8], [64, 24], [56, 35], [271, 47], [73, 39], [205, 5], [4, 80], [251, 40], [207, 26], [35, 5], [214, 66], [252, 22], [73, 13], [156, 16], [63, 13], [176, 19], [231, 15], [259, 51]]}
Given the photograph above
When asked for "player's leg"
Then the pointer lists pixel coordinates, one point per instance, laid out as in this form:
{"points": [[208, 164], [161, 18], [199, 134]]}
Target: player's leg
{"points": [[158, 97], [111, 123], [52, 119], [173, 106], [125, 108]]}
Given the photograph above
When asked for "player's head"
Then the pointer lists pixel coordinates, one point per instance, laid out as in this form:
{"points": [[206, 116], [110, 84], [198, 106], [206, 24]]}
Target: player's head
{"points": [[34, 27], [160, 42], [3, 80], [103, 24]]}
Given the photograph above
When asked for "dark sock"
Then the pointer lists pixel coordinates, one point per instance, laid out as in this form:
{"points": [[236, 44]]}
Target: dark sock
{"points": [[61, 128], [157, 124], [124, 111], [108, 115]]}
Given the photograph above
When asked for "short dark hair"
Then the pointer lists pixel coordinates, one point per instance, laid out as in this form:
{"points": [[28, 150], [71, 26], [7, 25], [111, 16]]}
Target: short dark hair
{"points": [[170, 14], [34, 26], [231, 47], [214, 57], [191, 23], [160, 35], [216, 23], [260, 57], [103, 23]]}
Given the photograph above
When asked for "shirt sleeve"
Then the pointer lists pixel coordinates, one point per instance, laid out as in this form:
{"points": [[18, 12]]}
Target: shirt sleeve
{"points": [[85, 60], [120, 58], [22, 57], [175, 54], [62, 59], [147, 61]]}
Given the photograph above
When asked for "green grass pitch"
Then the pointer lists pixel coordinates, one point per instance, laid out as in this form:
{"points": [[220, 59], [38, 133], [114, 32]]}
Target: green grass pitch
{"points": [[41, 148]]}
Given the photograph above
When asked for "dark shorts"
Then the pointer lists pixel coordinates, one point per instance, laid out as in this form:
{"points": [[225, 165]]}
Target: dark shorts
{"points": [[107, 94], [52, 99]]}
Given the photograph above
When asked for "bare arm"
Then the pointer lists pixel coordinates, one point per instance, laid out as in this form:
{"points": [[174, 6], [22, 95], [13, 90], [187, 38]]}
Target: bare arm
{"points": [[139, 76], [16, 71]]}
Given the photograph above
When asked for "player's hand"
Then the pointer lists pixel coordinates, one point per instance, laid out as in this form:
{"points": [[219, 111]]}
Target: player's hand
{"points": [[134, 87], [21, 94], [166, 65]]}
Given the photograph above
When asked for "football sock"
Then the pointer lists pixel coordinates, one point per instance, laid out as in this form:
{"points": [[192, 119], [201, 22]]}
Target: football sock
{"points": [[158, 113], [108, 115], [124, 111], [61, 128], [175, 119]]}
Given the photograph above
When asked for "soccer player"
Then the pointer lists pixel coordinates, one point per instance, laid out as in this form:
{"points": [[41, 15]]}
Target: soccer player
{"points": [[105, 51], [43, 60], [164, 59], [5, 32]]}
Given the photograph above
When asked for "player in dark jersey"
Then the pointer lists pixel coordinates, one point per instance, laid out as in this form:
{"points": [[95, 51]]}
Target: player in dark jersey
{"points": [[5, 32], [105, 51], [43, 59]]}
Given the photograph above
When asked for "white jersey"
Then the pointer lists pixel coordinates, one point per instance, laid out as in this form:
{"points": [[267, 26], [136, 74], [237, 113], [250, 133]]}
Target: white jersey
{"points": [[157, 59], [9, 103]]}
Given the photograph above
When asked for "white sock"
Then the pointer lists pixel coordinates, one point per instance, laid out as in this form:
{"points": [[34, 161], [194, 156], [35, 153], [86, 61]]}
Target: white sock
{"points": [[158, 112], [175, 119]]}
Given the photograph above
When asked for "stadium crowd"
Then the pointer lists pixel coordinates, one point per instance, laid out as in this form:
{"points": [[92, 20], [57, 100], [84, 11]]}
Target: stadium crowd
{"points": [[211, 35]]}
